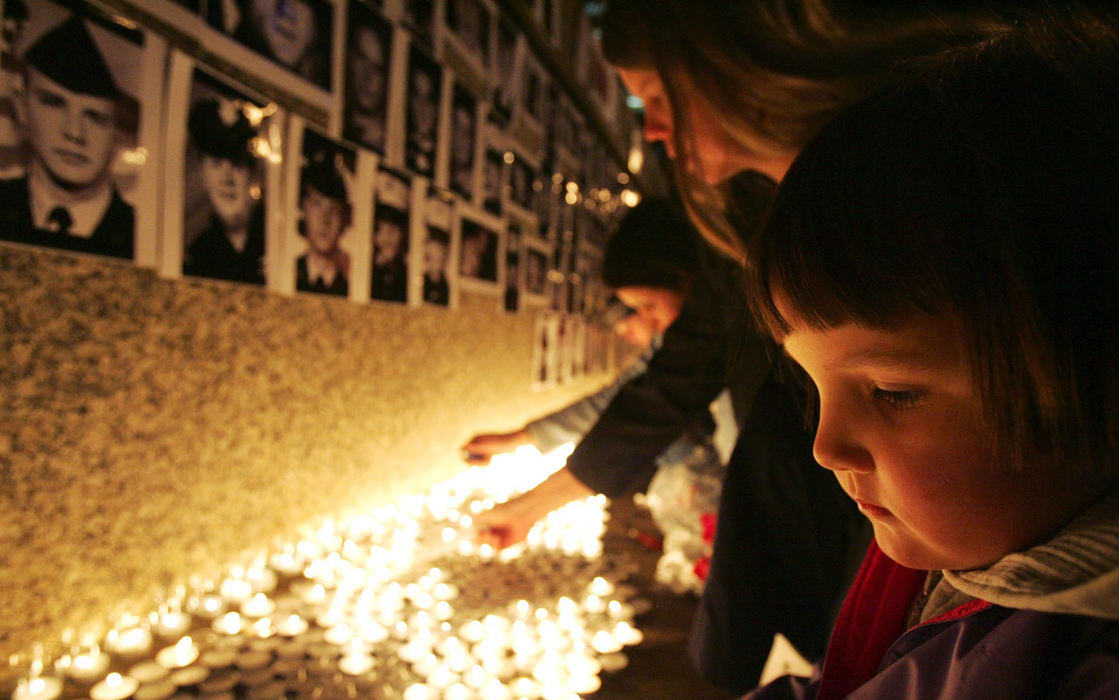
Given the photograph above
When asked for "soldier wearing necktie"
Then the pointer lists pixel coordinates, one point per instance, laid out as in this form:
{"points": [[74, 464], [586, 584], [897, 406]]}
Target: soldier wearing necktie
{"points": [[69, 111]]}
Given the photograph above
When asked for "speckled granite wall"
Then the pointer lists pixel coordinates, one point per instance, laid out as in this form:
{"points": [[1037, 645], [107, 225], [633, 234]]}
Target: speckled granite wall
{"points": [[153, 428]]}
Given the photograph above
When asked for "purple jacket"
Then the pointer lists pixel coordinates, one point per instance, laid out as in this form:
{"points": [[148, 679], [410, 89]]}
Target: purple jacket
{"points": [[991, 654], [1042, 623]]}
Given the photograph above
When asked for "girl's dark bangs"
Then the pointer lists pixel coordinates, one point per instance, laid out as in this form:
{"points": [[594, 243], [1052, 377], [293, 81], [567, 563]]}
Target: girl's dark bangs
{"points": [[853, 235]]}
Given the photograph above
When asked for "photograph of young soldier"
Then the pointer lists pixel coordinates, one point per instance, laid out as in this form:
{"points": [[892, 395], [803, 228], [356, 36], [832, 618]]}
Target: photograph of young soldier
{"points": [[512, 298], [325, 216], [436, 286], [493, 170], [463, 137], [73, 116], [479, 252], [223, 228], [470, 22], [422, 114], [390, 254], [368, 51], [296, 34]]}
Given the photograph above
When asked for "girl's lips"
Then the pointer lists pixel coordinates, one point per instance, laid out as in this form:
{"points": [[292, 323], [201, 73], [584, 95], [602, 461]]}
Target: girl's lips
{"points": [[871, 510]]}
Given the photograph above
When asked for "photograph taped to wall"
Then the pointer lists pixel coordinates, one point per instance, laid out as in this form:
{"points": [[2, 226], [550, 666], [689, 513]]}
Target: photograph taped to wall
{"points": [[523, 181], [438, 249], [545, 351], [467, 36], [79, 131], [297, 35], [419, 17], [322, 187], [464, 141], [494, 174], [516, 245], [481, 246], [425, 89], [223, 146], [507, 50], [367, 65], [537, 252], [391, 236]]}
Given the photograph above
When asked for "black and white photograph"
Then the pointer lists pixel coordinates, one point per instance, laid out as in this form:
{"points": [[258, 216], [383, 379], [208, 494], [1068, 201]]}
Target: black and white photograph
{"points": [[514, 272], [368, 58], [419, 17], [479, 252], [469, 24], [80, 106], [226, 185], [425, 87], [324, 216], [522, 178], [493, 180], [464, 140], [438, 253], [545, 352], [505, 68], [391, 226], [294, 34], [535, 260]]}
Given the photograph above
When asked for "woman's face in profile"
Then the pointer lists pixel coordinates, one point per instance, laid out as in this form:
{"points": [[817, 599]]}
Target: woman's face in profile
{"points": [[288, 27], [227, 187], [718, 154]]}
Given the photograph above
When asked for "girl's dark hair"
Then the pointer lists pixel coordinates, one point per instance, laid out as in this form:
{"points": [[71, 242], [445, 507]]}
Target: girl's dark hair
{"points": [[773, 72], [985, 186], [654, 245]]}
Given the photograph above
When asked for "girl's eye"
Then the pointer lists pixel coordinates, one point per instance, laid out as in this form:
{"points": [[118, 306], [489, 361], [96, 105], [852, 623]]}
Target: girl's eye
{"points": [[899, 399]]}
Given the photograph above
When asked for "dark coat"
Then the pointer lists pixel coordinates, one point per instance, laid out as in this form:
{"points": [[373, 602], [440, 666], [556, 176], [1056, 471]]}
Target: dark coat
{"points": [[339, 287], [113, 236], [212, 255], [788, 539]]}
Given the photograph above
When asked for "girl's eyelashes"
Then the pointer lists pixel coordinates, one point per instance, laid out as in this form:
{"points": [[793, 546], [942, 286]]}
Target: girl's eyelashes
{"points": [[899, 399]]}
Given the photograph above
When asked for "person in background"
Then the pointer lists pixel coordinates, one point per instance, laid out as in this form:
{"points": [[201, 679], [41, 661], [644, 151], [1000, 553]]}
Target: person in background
{"points": [[734, 90], [231, 247], [68, 112], [940, 260], [326, 210], [651, 262]]}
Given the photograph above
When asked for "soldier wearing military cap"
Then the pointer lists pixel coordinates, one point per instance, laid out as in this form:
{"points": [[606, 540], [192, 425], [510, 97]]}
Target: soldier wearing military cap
{"points": [[232, 245], [69, 110], [324, 268]]}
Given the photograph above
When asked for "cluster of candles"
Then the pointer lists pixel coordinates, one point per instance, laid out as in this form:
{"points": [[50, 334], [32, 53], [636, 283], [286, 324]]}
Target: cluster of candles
{"points": [[396, 603]]}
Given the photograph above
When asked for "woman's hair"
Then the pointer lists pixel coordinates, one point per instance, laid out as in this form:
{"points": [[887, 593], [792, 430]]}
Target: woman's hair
{"points": [[986, 186], [654, 245], [772, 72]]}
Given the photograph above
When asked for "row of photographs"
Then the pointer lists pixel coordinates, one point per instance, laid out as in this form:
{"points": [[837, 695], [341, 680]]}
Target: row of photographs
{"points": [[361, 62], [567, 348], [240, 190]]}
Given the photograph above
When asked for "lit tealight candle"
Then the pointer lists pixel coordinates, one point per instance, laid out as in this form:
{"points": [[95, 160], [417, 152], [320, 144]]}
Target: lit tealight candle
{"points": [[133, 640], [38, 688], [600, 587], [291, 626], [183, 653], [229, 623], [87, 665], [114, 687], [259, 605]]}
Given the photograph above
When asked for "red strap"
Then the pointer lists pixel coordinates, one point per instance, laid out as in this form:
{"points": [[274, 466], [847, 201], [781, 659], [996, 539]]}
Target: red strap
{"points": [[872, 618]]}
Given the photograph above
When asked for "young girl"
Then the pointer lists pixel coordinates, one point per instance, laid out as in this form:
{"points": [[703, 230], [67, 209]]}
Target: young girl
{"points": [[941, 262]]}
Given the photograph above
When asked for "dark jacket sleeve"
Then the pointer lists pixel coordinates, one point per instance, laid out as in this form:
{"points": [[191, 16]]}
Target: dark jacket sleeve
{"points": [[684, 376]]}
